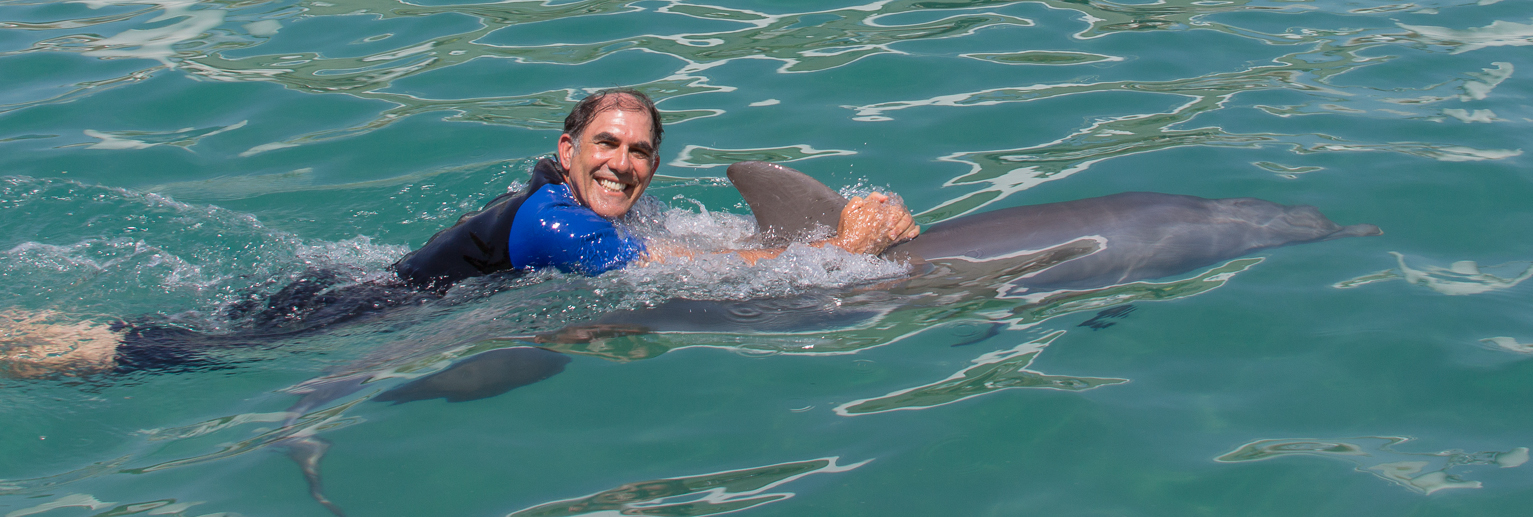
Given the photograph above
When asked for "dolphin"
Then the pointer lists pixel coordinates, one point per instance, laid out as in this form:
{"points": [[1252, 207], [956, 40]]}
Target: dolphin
{"points": [[1137, 235]]}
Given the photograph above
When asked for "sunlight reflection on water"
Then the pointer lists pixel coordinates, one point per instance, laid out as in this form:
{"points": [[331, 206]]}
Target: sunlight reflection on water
{"points": [[171, 157]]}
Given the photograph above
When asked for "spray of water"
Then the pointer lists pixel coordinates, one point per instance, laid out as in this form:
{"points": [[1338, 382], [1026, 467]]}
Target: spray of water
{"points": [[717, 274]]}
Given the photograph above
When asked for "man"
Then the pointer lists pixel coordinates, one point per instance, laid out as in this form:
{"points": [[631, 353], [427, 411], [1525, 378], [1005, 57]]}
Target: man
{"points": [[564, 218]]}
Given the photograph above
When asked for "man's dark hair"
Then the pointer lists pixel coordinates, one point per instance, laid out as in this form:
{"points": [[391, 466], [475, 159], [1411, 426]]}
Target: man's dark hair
{"points": [[614, 98]]}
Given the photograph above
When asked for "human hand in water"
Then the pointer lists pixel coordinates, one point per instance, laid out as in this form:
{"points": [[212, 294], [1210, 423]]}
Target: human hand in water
{"points": [[868, 225], [872, 224]]}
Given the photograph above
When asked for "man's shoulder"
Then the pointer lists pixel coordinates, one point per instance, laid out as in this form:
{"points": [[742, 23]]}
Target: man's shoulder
{"points": [[557, 199]]}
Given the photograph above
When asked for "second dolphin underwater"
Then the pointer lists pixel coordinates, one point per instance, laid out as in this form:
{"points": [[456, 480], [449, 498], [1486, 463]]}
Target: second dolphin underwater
{"points": [[1081, 244]]}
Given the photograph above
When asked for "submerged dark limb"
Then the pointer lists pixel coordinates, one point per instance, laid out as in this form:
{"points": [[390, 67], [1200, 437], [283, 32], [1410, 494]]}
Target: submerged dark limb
{"points": [[319, 299], [481, 376]]}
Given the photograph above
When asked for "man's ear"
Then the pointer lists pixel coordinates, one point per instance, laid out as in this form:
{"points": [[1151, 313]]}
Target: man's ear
{"points": [[566, 149]]}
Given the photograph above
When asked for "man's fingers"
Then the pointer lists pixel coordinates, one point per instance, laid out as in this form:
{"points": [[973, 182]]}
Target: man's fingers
{"points": [[910, 233], [899, 223], [873, 223]]}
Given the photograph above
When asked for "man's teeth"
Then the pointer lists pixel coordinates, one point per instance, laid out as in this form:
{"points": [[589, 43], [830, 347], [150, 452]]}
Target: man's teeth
{"points": [[610, 185]]}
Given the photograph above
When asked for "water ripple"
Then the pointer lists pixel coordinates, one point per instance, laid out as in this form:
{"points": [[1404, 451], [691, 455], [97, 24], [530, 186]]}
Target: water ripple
{"points": [[203, 34], [1459, 278], [1004, 172], [994, 371], [1423, 473], [706, 157], [704, 494]]}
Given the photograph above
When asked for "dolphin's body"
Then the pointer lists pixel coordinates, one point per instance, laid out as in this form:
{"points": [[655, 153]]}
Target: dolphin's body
{"points": [[1130, 236]]}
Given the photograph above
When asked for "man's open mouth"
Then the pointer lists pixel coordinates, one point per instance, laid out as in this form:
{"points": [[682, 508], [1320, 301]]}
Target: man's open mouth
{"points": [[611, 185]]}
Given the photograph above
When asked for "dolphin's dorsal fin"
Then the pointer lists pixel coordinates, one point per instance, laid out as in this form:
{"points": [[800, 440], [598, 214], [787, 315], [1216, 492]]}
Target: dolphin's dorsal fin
{"points": [[788, 204]]}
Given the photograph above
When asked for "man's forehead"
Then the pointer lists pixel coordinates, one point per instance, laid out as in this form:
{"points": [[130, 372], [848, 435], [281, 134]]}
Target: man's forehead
{"points": [[605, 113]]}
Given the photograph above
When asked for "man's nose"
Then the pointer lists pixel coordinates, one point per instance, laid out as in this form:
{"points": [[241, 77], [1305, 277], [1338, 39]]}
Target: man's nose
{"points": [[621, 162]]}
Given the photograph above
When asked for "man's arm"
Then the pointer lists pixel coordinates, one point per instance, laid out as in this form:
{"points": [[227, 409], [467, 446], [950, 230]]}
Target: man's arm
{"points": [[868, 225]]}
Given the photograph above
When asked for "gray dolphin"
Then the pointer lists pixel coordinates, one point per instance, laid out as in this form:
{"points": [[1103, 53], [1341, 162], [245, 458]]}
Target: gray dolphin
{"points": [[1136, 235]]}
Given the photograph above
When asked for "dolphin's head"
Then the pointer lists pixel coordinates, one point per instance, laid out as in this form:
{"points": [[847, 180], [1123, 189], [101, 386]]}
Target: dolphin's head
{"points": [[1279, 224]]}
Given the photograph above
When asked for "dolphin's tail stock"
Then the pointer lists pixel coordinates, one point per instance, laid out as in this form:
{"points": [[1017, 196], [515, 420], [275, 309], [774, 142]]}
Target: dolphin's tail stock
{"points": [[307, 451]]}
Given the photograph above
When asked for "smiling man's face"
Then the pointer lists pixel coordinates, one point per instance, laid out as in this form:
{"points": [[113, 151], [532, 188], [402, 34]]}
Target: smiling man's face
{"points": [[613, 161]]}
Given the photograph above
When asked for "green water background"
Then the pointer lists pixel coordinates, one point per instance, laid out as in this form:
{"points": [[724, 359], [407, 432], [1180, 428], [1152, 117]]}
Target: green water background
{"points": [[164, 157]]}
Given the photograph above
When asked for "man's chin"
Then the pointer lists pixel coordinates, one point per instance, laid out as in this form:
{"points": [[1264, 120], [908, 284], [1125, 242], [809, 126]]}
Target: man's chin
{"points": [[611, 210]]}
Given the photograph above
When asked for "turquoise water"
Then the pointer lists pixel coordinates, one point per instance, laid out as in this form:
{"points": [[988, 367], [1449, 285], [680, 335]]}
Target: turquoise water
{"points": [[168, 158]]}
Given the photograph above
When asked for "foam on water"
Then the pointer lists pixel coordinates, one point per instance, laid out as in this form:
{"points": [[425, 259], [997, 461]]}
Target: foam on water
{"points": [[717, 274]]}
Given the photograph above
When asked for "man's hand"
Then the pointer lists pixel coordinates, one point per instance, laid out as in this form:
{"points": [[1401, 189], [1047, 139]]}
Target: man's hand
{"points": [[873, 224], [868, 225]]}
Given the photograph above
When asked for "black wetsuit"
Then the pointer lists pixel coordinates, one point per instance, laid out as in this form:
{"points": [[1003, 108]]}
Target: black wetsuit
{"points": [[478, 244]]}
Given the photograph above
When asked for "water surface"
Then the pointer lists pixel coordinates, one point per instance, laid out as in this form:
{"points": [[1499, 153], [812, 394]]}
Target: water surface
{"points": [[166, 159]]}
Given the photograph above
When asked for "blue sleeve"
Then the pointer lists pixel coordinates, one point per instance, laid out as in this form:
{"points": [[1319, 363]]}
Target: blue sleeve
{"points": [[550, 230]]}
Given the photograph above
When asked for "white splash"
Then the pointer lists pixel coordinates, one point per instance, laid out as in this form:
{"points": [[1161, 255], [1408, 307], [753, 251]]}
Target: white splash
{"points": [[714, 273]]}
